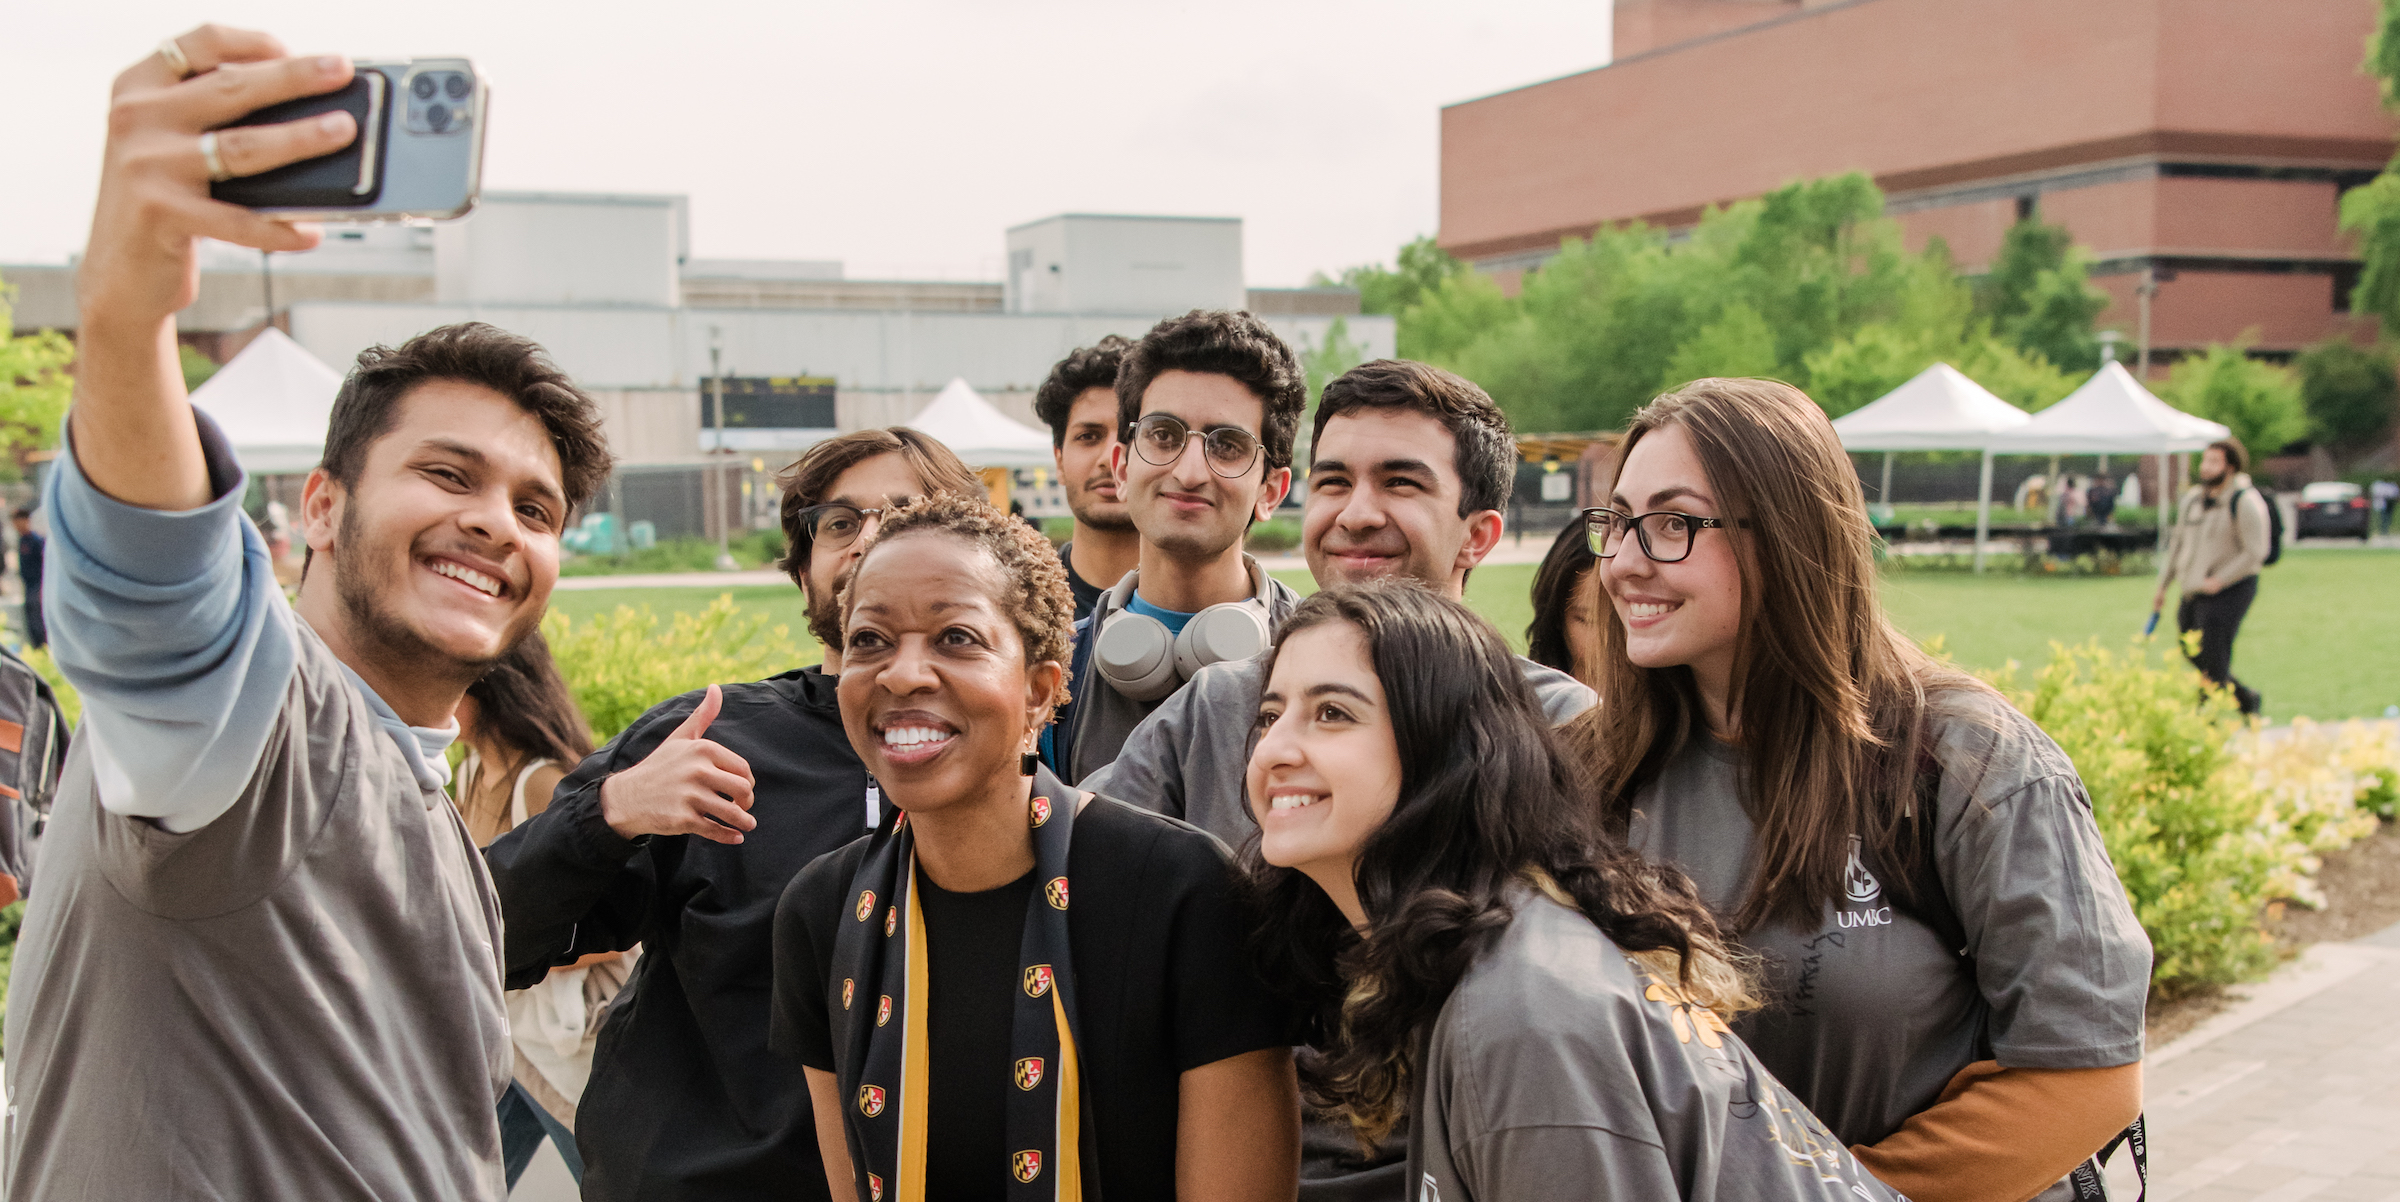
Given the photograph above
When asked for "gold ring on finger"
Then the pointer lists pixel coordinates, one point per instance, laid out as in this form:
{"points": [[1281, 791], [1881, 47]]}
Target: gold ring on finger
{"points": [[172, 51], [217, 173]]}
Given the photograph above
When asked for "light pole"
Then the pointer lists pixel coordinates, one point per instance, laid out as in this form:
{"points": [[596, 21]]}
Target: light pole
{"points": [[716, 452]]}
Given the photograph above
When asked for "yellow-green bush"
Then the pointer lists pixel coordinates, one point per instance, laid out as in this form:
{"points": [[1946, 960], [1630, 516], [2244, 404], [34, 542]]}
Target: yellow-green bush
{"points": [[2185, 824], [622, 664]]}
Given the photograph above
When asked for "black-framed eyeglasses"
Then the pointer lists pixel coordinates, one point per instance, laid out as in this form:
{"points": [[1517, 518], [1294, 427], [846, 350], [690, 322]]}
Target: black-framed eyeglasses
{"points": [[834, 526], [1160, 437], [1666, 536]]}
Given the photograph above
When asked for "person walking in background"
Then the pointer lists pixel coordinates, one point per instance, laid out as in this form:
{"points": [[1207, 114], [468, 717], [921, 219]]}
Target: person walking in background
{"points": [[1566, 603], [2386, 495], [2101, 501], [1957, 979], [30, 549], [1079, 404], [260, 961], [680, 835], [2219, 543], [1471, 952], [522, 732], [1013, 988]]}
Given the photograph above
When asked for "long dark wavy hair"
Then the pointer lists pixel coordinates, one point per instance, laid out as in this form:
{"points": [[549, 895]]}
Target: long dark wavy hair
{"points": [[524, 706], [1486, 807], [1570, 557]]}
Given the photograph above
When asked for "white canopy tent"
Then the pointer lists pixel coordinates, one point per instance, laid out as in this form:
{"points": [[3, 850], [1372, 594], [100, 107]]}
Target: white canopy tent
{"points": [[2111, 413], [979, 433], [1939, 409], [273, 402]]}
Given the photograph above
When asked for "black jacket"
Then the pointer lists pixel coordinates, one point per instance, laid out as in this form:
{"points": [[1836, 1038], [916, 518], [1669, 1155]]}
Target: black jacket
{"points": [[685, 1100]]}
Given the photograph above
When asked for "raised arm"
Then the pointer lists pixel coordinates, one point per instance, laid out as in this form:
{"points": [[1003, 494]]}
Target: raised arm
{"points": [[162, 604]]}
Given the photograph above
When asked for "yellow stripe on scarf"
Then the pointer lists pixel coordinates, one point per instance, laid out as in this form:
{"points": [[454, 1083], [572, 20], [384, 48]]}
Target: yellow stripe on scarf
{"points": [[1070, 1108], [913, 1048]]}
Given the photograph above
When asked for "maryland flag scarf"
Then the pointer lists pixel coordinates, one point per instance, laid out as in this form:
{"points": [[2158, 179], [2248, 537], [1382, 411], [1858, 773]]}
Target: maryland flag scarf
{"points": [[881, 956]]}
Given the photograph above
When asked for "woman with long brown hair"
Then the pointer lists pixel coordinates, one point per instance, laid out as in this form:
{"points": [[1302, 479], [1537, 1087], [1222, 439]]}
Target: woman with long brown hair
{"points": [[1542, 1005], [1957, 979]]}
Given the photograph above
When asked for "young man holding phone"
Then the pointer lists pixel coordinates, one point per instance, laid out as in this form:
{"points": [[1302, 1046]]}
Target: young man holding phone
{"points": [[262, 927], [1209, 403]]}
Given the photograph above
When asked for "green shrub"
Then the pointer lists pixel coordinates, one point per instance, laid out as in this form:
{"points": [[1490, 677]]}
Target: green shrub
{"points": [[622, 664], [1274, 537], [2182, 820], [70, 702], [749, 548]]}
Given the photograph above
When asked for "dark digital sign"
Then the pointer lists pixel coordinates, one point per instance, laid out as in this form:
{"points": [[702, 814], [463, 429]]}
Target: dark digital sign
{"points": [[772, 402]]}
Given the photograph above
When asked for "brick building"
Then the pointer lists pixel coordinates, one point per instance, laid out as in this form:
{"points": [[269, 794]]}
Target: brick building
{"points": [[2203, 143]]}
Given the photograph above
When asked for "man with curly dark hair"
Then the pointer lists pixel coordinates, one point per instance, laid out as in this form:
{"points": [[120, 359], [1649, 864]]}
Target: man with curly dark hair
{"points": [[1207, 406], [1079, 404]]}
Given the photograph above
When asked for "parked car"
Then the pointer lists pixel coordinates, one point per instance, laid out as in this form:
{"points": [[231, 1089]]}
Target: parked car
{"points": [[2332, 510]]}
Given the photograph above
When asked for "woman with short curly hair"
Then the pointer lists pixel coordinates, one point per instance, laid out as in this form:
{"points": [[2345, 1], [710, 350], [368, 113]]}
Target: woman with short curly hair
{"points": [[971, 1024]]}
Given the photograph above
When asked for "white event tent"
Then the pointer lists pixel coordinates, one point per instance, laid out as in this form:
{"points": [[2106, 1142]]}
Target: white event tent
{"points": [[273, 401], [2112, 413], [979, 433], [1940, 409]]}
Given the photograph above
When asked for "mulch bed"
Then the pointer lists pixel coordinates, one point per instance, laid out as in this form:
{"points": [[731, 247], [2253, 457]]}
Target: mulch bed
{"points": [[2362, 891]]}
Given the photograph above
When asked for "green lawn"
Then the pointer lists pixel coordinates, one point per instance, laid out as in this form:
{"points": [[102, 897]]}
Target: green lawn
{"points": [[2320, 643]]}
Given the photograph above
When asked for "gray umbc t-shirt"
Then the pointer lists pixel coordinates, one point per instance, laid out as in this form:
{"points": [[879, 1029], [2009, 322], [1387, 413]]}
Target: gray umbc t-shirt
{"points": [[299, 1000], [1869, 1016], [1559, 1068]]}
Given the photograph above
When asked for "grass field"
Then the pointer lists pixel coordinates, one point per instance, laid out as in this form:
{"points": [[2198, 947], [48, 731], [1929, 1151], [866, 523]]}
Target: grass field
{"points": [[2322, 641]]}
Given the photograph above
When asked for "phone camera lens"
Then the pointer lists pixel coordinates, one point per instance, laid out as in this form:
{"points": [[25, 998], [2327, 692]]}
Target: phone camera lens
{"points": [[423, 86], [456, 87], [438, 117]]}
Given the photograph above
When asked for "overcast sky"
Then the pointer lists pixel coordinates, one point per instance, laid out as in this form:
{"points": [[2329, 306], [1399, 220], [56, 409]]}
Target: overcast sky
{"points": [[900, 137]]}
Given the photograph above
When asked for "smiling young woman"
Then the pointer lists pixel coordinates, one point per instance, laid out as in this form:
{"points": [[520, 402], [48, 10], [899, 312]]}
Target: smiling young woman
{"points": [[970, 1022], [1914, 862], [1541, 1004]]}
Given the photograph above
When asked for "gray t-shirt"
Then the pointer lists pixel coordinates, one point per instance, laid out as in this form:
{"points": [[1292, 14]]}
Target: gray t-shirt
{"points": [[1188, 759], [1559, 1068], [1870, 1015]]}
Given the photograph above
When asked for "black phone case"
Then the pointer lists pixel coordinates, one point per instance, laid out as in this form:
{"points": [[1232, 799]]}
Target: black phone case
{"points": [[328, 181]]}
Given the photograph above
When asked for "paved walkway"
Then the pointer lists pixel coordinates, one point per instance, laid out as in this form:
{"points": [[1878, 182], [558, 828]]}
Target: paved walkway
{"points": [[2293, 1094]]}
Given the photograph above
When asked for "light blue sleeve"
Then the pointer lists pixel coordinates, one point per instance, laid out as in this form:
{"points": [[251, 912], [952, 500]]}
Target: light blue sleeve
{"points": [[173, 629]]}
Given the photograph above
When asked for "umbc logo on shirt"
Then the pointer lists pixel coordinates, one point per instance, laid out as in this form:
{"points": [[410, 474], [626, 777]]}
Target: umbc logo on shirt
{"points": [[1029, 1072], [1037, 980], [1861, 888], [1056, 891], [883, 1011], [1027, 1165], [1041, 810], [891, 919], [849, 989], [874, 1188], [870, 1100], [866, 903]]}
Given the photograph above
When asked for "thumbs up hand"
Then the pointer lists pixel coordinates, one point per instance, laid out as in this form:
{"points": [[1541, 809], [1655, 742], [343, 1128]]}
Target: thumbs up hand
{"points": [[687, 786]]}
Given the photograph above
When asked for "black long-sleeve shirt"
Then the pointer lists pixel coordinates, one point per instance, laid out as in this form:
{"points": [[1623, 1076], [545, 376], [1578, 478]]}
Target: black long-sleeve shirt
{"points": [[685, 1099]]}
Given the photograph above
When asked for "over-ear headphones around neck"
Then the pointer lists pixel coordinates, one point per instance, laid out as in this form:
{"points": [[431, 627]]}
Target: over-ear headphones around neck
{"points": [[1138, 658]]}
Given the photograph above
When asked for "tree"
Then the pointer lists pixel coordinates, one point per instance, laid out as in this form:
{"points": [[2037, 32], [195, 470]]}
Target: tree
{"points": [[2039, 296], [197, 368], [34, 385], [2260, 401], [2373, 211], [1423, 268], [2350, 394]]}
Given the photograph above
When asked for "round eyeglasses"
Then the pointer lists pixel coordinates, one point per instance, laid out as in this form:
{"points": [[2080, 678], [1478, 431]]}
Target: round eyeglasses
{"points": [[835, 526], [1159, 439], [1666, 536]]}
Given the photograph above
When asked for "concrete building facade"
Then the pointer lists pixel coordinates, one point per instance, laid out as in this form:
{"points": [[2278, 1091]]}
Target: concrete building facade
{"points": [[2200, 144]]}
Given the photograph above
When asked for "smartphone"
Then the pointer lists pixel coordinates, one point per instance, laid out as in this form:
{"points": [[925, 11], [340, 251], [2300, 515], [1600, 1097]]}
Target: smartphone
{"points": [[418, 154]]}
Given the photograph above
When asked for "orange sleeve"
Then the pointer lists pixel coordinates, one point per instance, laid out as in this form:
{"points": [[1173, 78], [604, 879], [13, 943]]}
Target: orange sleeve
{"points": [[2005, 1134]]}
